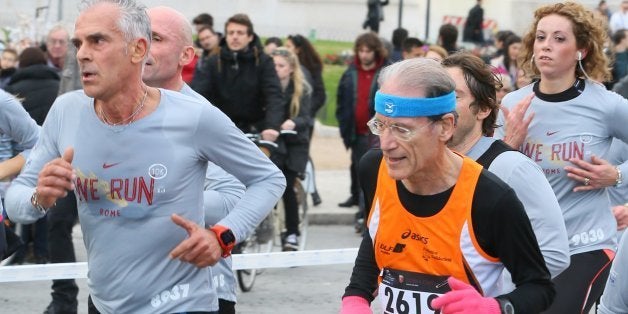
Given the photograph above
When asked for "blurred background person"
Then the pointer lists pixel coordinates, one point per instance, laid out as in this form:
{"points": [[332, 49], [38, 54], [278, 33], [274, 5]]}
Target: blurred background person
{"points": [[203, 19], [398, 36], [355, 107], [507, 62], [209, 41], [8, 66], [374, 14], [436, 52], [473, 25], [619, 57], [272, 43], [35, 83], [603, 12], [500, 37], [312, 64], [505, 88], [292, 155], [57, 46], [448, 37], [619, 19], [241, 81], [412, 47]]}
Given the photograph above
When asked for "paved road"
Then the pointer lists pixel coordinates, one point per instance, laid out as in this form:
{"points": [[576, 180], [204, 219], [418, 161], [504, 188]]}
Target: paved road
{"points": [[314, 289]]}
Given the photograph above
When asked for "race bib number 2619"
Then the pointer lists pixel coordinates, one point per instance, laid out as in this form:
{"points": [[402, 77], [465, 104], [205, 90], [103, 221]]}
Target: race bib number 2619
{"points": [[404, 292]]}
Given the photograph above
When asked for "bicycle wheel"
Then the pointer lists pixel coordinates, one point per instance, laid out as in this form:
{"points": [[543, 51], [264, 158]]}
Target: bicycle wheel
{"points": [[246, 277], [265, 233], [303, 217]]}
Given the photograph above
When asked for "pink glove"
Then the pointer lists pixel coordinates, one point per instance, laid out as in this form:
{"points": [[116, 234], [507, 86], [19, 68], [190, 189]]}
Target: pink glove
{"points": [[463, 298], [355, 305]]}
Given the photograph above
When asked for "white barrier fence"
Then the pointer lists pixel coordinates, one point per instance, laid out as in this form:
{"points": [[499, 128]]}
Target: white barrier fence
{"points": [[240, 261]]}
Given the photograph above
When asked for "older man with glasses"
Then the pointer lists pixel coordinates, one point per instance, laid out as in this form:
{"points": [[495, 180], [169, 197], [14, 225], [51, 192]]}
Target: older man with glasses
{"points": [[440, 229], [57, 46]]}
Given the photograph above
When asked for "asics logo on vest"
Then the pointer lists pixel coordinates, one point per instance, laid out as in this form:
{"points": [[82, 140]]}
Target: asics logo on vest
{"points": [[414, 236]]}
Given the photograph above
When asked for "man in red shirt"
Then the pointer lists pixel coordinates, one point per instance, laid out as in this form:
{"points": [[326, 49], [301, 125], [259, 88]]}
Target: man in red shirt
{"points": [[354, 106]]}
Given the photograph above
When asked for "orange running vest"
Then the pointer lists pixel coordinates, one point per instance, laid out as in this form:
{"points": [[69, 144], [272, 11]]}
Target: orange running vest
{"points": [[441, 245]]}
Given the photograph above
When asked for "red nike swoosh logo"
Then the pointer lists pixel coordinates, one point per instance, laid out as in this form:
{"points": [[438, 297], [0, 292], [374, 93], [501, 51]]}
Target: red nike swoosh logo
{"points": [[105, 165], [551, 133]]}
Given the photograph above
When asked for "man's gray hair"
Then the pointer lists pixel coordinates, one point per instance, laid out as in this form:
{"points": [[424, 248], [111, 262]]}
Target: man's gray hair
{"points": [[134, 22], [422, 74], [58, 27]]}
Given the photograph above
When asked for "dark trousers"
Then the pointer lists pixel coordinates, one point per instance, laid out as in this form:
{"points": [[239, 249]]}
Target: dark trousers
{"points": [[226, 307], [358, 148], [35, 233], [61, 220], [581, 284], [3, 240], [290, 203]]}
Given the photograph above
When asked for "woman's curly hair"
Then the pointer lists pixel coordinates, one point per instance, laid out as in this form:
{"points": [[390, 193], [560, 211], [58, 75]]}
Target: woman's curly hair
{"points": [[590, 36]]}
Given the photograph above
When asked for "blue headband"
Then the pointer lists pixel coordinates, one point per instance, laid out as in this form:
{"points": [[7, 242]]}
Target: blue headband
{"points": [[396, 106]]}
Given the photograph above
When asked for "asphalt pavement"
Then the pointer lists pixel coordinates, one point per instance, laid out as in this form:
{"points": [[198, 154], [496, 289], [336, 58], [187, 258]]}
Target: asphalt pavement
{"points": [[311, 289]]}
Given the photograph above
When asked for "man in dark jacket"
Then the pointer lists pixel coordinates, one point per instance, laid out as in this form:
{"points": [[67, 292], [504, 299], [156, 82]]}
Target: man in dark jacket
{"points": [[354, 108], [35, 83], [374, 14], [241, 81], [473, 26]]}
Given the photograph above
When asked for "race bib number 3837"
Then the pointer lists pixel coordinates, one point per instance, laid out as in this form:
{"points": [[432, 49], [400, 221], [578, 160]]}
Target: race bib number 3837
{"points": [[403, 292]]}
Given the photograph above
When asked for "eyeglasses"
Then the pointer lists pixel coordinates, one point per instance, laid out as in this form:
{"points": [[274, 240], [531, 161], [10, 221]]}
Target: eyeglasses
{"points": [[53, 42], [377, 127]]}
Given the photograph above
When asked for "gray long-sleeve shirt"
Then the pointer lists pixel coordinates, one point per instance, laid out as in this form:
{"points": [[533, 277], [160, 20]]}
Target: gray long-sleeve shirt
{"points": [[538, 199], [130, 179], [221, 193], [575, 128], [17, 126]]}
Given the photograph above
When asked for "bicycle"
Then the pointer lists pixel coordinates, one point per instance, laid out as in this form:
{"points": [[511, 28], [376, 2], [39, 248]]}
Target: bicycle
{"points": [[264, 237]]}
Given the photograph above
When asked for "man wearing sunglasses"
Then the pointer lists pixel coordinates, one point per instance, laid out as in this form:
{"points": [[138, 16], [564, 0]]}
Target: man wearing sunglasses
{"points": [[440, 229]]}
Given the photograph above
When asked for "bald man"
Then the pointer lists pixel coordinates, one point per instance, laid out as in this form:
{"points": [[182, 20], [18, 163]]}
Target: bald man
{"points": [[170, 51]]}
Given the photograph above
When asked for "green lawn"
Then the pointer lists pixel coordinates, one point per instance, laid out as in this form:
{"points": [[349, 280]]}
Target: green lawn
{"points": [[331, 77]]}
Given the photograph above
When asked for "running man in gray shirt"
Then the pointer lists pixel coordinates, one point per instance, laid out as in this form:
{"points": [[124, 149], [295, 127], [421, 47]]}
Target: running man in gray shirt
{"points": [[170, 50], [477, 111], [136, 157], [22, 129]]}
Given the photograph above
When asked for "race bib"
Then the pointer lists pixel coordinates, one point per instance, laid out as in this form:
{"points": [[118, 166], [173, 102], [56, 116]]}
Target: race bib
{"points": [[406, 292]]}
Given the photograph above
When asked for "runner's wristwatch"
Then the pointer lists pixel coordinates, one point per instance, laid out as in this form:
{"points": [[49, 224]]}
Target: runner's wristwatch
{"points": [[505, 306], [225, 237], [37, 205]]}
